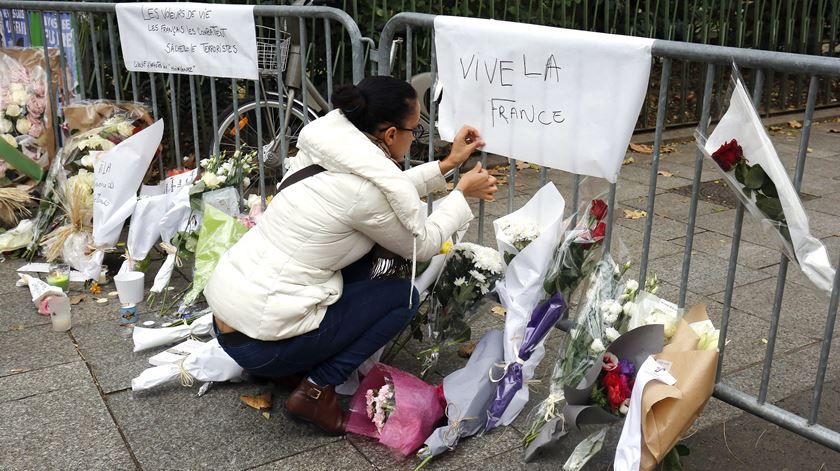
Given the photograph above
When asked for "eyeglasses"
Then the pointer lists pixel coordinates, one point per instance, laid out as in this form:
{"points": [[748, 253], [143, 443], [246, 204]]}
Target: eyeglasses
{"points": [[417, 131]]}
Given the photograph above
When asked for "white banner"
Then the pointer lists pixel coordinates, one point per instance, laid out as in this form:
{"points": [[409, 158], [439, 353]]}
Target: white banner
{"points": [[561, 98], [189, 38]]}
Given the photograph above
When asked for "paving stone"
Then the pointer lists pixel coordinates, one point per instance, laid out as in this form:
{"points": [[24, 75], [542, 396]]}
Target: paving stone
{"points": [[749, 254], [803, 309], [674, 206], [791, 373], [107, 347], [42, 381], [723, 223], [640, 173], [171, 428], [8, 274], [707, 274], [469, 451], [19, 312], [336, 455], [829, 204], [66, 428], [35, 348], [683, 169], [663, 228]]}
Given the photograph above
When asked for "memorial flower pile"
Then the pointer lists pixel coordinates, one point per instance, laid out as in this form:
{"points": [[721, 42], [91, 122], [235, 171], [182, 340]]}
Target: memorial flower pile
{"points": [[23, 105]]}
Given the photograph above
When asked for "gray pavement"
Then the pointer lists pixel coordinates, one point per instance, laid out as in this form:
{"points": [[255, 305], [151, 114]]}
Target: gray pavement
{"points": [[66, 402]]}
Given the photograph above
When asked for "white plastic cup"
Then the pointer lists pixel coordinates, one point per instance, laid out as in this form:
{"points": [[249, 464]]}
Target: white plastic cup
{"points": [[130, 286], [60, 313]]}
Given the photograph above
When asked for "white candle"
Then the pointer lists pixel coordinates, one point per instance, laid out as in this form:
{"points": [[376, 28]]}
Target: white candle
{"points": [[60, 323]]}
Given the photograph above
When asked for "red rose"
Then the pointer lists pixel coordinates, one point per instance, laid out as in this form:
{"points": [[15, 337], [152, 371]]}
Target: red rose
{"points": [[598, 209], [612, 383], [728, 155], [599, 232]]}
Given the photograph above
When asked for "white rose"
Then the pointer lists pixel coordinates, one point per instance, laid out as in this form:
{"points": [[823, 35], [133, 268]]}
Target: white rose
{"points": [[615, 308], [246, 181], [211, 180], [16, 87], [221, 178], [5, 126], [125, 129], [610, 318], [13, 110], [597, 346], [10, 140], [632, 285], [87, 161], [624, 408], [605, 305], [628, 306], [20, 97], [23, 126], [611, 334], [253, 200]]}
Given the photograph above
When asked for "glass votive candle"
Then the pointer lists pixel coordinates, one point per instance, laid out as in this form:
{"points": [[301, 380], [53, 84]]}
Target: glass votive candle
{"points": [[59, 276]]}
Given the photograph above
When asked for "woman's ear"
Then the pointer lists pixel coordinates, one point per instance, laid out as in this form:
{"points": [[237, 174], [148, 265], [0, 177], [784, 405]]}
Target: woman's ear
{"points": [[389, 136]]}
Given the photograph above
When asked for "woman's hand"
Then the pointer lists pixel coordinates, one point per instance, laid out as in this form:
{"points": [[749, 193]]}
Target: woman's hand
{"points": [[465, 143], [477, 183]]}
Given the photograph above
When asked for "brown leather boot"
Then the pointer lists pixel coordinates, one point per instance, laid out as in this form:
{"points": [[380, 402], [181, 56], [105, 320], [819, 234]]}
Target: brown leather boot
{"points": [[318, 406]]}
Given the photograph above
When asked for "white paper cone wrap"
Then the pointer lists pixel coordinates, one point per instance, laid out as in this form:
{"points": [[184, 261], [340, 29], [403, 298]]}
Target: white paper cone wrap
{"points": [[208, 364], [145, 339]]}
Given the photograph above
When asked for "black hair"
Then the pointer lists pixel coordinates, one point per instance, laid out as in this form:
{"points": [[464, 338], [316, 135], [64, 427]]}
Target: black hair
{"points": [[375, 101]]}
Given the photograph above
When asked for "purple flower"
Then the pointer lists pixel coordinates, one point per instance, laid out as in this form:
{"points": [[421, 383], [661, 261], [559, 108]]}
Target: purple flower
{"points": [[626, 367]]}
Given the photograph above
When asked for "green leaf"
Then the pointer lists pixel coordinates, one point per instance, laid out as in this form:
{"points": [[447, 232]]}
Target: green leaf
{"points": [[772, 207], [755, 177], [769, 188], [741, 172], [20, 162]]}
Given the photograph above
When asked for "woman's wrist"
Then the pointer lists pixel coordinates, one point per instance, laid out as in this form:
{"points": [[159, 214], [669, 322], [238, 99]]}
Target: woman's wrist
{"points": [[446, 166]]}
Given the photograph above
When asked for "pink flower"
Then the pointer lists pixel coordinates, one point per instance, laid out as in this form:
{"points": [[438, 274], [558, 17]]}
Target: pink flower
{"points": [[39, 88], [610, 362], [37, 129], [36, 106]]}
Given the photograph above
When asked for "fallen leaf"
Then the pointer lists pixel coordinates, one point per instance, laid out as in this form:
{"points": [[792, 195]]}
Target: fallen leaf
{"points": [[466, 350], [834, 131], [628, 160], [665, 173], [667, 149], [15, 371], [520, 165], [718, 210], [795, 124], [774, 128], [497, 172], [76, 299], [450, 186], [113, 294], [535, 166], [101, 300], [634, 213], [764, 341], [810, 149], [641, 148], [267, 415], [259, 401], [498, 310]]}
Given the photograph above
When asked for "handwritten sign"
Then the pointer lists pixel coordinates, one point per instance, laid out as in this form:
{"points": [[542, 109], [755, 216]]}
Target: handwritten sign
{"points": [[189, 38], [174, 183], [561, 98]]}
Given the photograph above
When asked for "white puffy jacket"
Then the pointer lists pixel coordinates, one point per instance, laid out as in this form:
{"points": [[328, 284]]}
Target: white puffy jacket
{"points": [[279, 279]]}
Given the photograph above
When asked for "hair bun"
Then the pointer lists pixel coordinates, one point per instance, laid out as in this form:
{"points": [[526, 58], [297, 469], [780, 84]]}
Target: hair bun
{"points": [[350, 99]]}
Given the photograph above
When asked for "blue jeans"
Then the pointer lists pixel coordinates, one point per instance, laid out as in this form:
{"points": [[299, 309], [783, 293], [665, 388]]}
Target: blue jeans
{"points": [[368, 315]]}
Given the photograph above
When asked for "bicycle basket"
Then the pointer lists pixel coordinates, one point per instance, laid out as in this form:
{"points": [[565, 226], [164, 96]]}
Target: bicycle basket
{"points": [[269, 59]]}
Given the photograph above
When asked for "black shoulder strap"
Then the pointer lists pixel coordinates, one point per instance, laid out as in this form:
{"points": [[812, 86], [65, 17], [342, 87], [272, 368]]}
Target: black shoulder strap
{"points": [[305, 172]]}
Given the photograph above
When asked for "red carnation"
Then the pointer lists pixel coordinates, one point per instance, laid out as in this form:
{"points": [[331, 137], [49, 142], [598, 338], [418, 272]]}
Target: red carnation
{"points": [[598, 209], [728, 155]]}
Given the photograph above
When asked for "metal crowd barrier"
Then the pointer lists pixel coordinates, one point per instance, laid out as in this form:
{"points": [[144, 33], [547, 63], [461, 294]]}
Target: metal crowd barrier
{"points": [[106, 79], [714, 57]]}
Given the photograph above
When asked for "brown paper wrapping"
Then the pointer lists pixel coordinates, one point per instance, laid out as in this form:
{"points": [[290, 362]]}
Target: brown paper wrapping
{"points": [[86, 115], [668, 411], [30, 58]]}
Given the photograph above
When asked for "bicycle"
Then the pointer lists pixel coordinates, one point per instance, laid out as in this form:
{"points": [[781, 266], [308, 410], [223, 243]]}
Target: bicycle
{"points": [[237, 129]]}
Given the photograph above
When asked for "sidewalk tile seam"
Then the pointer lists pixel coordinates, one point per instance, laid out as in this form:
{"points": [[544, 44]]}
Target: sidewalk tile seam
{"points": [[338, 439]]}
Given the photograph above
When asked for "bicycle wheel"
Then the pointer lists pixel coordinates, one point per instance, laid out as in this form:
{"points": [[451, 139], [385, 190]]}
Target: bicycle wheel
{"points": [[272, 127]]}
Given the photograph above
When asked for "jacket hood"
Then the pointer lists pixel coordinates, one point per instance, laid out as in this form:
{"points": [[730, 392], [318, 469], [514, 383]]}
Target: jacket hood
{"points": [[334, 143]]}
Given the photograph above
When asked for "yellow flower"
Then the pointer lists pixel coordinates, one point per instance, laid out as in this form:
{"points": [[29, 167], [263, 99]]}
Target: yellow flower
{"points": [[95, 288], [447, 246]]}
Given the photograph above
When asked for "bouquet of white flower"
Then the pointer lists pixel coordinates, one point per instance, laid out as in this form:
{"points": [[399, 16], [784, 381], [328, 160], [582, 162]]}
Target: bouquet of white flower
{"points": [[469, 273], [519, 234], [223, 170]]}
